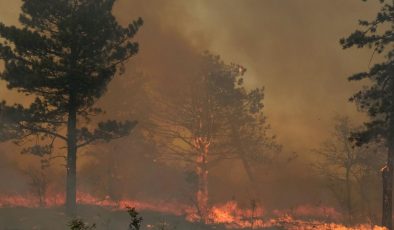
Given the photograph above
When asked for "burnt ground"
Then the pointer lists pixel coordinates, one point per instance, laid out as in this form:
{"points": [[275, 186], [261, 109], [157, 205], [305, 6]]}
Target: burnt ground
{"points": [[18, 218]]}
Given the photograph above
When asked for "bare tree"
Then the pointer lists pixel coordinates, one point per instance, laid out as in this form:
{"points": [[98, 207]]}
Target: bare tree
{"points": [[346, 168], [39, 183]]}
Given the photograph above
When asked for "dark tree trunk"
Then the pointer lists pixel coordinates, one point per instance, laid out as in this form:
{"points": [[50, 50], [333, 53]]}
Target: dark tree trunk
{"points": [[349, 197], [248, 169], [387, 179], [387, 172], [251, 176], [71, 189]]}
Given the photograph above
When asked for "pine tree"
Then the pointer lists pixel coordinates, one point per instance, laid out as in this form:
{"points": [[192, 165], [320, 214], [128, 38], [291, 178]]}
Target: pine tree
{"points": [[214, 119], [64, 55], [377, 99]]}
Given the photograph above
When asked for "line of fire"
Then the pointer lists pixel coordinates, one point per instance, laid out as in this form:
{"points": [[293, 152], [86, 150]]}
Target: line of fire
{"points": [[196, 115]]}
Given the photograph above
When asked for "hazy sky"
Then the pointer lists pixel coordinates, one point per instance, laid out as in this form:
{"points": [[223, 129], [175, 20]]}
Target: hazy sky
{"points": [[289, 46]]}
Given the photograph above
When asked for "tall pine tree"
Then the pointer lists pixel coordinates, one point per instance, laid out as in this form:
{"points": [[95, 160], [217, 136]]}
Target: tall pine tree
{"points": [[377, 99], [64, 55]]}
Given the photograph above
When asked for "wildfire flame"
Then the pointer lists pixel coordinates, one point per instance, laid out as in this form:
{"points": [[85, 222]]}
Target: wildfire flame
{"points": [[228, 214]]}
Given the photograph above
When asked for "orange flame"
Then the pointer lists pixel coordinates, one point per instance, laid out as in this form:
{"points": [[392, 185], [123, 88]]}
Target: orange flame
{"points": [[229, 214]]}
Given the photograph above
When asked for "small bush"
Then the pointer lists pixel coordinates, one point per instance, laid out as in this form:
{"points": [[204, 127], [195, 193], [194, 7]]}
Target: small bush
{"points": [[135, 219], [78, 224], [135, 222]]}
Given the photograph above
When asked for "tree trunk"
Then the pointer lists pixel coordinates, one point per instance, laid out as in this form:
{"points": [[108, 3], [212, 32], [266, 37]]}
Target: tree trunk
{"points": [[202, 186], [249, 173], [248, 169], [387, 179], [348, 197], [387, 172], [71, 189]]}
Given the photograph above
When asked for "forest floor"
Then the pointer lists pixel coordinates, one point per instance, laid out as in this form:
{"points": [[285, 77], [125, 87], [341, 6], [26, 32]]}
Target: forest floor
{"points": [[18, 218]]}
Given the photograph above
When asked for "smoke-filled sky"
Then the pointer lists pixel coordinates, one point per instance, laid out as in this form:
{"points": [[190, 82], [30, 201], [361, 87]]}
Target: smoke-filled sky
{"points": [[289, 46]]}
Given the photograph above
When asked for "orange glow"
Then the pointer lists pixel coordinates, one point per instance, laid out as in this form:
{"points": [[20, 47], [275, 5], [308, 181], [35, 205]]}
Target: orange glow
{"points": [[228, 214]]}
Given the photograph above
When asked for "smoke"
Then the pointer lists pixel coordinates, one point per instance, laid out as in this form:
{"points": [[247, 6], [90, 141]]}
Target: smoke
{"points": [[290, 47]]}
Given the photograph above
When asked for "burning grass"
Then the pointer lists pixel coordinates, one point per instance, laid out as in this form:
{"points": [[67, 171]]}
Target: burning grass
{"points": [[26, 210]]}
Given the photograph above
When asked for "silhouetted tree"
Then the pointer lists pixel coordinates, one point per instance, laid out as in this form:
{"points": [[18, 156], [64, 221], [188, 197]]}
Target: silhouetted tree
{"points": [[63, 56], [248, 137], [346, 169], [213, 119], [39, 183], [108, 165], [377, 99]]}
